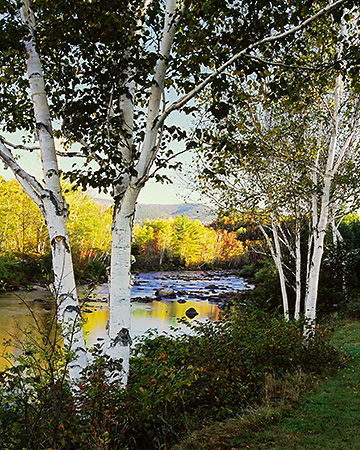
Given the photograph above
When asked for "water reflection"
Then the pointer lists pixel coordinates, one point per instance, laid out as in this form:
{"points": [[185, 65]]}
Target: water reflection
{"points": [[22, 312], [16, 317], [161, 315], [157, 314]]}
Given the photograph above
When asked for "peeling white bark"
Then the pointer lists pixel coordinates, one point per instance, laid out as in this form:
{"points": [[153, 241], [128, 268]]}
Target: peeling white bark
{"points": [[148, 151], [119, 339], [277, 258], [52, 204]]}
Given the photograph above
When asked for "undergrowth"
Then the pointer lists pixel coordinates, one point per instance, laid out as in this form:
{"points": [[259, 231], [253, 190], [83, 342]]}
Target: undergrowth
{"points": [[176, 384]]}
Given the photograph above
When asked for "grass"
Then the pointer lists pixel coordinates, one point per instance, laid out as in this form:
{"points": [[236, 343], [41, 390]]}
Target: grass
{"points": [[327, 417]]}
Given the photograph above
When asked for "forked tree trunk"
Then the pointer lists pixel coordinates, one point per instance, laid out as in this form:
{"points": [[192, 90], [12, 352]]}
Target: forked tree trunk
{"points": [[125, 197], [321, 222]]}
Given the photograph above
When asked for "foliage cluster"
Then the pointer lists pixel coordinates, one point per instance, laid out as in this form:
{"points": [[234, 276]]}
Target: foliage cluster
{"points": [[24, 242], [181, 242], [176, 381]]}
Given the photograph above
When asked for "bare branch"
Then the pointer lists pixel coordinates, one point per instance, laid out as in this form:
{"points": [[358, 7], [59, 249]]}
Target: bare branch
{"points": [[29, 183], [70, 154], [18, 146], [285, 66]]}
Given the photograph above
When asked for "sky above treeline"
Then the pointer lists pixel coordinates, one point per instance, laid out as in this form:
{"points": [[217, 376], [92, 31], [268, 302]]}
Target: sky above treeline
{"points": [[153, 192]]}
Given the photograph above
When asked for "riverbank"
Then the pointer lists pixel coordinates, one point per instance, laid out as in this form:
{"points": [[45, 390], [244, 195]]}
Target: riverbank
{"points": [[319, 414]]}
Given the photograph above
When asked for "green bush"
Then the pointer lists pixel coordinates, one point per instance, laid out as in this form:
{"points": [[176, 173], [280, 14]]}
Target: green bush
{"points": [[22, 270], [176, 382], [91, 269], [213, 373]]}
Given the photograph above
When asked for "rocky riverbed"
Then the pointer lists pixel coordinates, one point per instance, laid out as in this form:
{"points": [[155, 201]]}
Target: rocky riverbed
{"points": [[220, 287]]}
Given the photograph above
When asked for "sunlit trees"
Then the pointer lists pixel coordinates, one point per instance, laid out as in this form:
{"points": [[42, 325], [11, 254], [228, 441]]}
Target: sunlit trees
{"points": [[180, 242], [111, 76], [24, 235], [291, 159], [89, 227], [22, 227]]}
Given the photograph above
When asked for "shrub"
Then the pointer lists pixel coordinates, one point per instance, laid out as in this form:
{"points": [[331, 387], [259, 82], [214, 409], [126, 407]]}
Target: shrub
{"points": [[22, 270], [175, 382], [214, 372]]}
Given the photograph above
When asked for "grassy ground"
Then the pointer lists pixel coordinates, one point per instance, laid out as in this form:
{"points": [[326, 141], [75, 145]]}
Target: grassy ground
{"points": [[327, 418]]}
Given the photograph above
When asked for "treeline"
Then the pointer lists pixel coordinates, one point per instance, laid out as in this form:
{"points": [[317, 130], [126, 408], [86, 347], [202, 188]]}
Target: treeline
{"points": [[181, 242], [24, 241], [162, 243]]}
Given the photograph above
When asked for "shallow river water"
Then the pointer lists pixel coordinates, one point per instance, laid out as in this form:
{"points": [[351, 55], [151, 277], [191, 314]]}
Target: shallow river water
{"points": [[199, 290]]}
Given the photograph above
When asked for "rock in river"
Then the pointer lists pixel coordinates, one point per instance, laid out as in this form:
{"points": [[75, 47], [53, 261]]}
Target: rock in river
{"points": [[191, 313], [166, 293]]}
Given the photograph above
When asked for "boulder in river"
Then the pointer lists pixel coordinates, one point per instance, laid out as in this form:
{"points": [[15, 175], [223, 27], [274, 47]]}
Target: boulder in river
{"points": [[165, 292], [191, 313], [214, 287], [39, 287], [143, 299]]}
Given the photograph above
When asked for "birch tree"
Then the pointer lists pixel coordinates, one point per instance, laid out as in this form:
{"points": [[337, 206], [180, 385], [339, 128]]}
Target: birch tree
{"points": [[47, 194], [258, 170], [121, 69], [296, 157]]}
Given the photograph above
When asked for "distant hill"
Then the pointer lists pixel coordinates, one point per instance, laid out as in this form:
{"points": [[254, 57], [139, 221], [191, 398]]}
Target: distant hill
{"points": [[156, 211], [192, 210]]}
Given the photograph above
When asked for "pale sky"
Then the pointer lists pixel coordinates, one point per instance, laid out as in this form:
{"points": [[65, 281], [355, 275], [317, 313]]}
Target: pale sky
{"points": [[152, 193]]}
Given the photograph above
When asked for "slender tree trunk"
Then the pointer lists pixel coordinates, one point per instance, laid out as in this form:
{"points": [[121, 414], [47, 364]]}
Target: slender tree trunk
{"points": [[277, 258], [278, 262], [54, 208], [120, 279], [297, 270]]}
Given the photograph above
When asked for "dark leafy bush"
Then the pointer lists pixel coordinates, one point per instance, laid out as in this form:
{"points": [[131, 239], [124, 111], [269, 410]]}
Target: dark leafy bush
{"points": [[175, 381], [91, 269], [214, 372], [23, 270]]}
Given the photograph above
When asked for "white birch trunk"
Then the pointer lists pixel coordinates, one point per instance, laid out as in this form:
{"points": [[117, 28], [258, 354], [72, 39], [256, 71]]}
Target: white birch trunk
{"points": [[321, 224], [278, 262], [119, 340], [297, 270], [149, 148], [125, 196], [54, 208], [277, 258]]}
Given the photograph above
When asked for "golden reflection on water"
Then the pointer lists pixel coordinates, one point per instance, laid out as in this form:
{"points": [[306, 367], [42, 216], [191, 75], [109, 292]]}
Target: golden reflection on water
{"points": [[21, 315], [159, 315]]}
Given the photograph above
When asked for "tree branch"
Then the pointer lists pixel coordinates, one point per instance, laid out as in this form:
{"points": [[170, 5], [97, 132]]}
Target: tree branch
{"points": [[186, 98], [286, 66], [18, 146], [29, 183]]}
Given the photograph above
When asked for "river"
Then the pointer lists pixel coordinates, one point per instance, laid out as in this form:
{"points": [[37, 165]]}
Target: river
{"points": [[203, 291]]}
